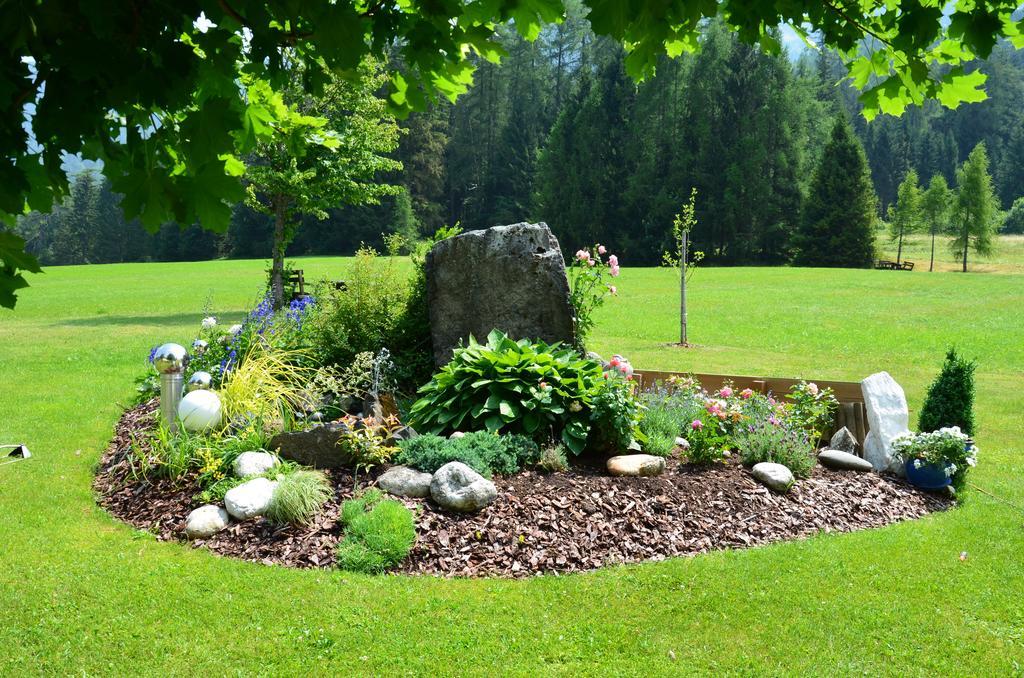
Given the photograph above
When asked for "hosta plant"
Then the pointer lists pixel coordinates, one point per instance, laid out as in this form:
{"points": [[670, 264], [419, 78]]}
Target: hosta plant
{"points": [[538, 389]]}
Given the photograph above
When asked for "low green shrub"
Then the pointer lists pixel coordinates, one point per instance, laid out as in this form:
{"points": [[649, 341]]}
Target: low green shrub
{"points": [[485, 453], [298, 497], [378, 534], [950, 398], [659, 444], [776, 441], [553, 460], [615, 416], [537, 389]]}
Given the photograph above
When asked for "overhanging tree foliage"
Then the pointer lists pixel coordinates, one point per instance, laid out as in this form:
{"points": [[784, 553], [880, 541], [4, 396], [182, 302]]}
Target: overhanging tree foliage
{"points": [[151, 89]]}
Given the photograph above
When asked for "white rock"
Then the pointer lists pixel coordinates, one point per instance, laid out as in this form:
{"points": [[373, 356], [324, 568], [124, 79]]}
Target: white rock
{"points": [[457, 487], [205, 521], [682, 442], [456, 435], [200, 411], [775, 476], [403, 481], [843, 461], [254, 463], [636, 465], [250, 499], [888, 418]]}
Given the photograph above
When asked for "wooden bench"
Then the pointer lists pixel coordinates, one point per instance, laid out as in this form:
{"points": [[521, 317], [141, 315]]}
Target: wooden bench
{"points": [[885, 265]]}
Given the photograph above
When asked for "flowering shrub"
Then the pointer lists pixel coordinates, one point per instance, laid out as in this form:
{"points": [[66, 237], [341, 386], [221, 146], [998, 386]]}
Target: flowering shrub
{"points": [[949, 447], [615, 415], [590, 286], [812, 409], [707, 441], [541, 390]]}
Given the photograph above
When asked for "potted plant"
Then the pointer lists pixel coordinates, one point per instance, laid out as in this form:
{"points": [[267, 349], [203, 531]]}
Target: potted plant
{"points": [[936, 459]]}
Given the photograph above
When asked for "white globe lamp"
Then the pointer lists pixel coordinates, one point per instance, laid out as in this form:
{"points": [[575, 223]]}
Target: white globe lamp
{"points": [[200, 411]]}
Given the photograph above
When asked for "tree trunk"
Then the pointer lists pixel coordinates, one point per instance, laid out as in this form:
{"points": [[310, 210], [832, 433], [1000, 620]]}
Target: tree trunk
{"points": [[931, 265], [277, 256], [899, 248], [967, 242], [682, 292]]}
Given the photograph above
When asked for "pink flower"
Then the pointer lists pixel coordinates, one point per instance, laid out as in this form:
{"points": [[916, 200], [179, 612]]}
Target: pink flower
{"points": [[601, 249], [590, 262], [746, 393], [614, 362], [773, 421], [614, 290], [725, 392], [697, 424], [812, 388], [614, 271], [582, 255], [613, 261], [771, 401]]}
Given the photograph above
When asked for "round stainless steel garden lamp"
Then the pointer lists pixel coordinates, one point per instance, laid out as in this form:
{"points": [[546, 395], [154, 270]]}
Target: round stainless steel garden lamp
{"points": [[170, 360]]}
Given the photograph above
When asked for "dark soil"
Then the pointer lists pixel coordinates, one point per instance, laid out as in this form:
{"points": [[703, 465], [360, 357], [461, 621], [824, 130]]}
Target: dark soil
{"points": [[565, 522]]}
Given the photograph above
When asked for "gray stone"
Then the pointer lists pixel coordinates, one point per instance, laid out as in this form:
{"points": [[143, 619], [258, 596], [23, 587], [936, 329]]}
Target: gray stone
{"points": [[250, 499], [774, 476], [457, 487], [317, 447], [844, 441], [403, 481], [205, 521], [510, 278], [636, 465], [456, 435], [254, 463], [843, 461], [888, 418]]}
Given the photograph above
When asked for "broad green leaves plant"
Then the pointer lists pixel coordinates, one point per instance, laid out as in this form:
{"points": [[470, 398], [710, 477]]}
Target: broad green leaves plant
{"points": [[155, 90], [512, 386]]}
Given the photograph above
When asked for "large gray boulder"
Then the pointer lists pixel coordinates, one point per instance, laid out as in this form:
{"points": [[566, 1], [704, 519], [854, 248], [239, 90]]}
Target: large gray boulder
{"points": [[888, 419], [843, 461], [457, 487], [317, 447], [510, 278]]}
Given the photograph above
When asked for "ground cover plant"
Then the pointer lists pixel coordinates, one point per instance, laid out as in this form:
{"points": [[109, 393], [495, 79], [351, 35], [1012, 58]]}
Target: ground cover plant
{"points": [[82, 592], [484, 452], [378, 533]]}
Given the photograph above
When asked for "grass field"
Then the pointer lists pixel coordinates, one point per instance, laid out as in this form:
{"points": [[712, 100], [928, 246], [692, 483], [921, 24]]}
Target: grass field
{"points": [[81, 593]]}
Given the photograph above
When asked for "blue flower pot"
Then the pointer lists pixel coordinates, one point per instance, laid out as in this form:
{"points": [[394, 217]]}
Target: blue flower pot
{"points": [[928, 476]]}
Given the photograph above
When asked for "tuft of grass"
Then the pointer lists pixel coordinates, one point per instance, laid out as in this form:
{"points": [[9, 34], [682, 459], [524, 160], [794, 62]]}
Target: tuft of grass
{"points": [[553, 459], [267, 384], [298, 497], [659, 444], [378, 534]]}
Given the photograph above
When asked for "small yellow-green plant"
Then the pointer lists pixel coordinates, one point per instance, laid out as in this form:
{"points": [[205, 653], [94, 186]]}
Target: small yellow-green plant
{"points": [[378, 533], [299, 495]]}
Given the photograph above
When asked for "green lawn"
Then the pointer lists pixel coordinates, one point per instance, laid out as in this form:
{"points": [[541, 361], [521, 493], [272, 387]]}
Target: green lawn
{"points": [[81, 593]]}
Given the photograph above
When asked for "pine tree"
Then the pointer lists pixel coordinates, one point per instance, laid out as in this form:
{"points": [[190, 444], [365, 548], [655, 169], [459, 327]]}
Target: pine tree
{"points": [[838, 225], [906, 213], [976, 210]]}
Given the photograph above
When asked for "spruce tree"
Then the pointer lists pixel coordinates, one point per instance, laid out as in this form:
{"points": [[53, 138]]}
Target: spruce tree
{"points": [[977, 209], [838, 223], [950, 398]]}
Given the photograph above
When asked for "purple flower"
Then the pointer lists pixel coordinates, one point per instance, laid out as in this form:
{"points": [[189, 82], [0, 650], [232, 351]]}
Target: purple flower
{"points": [[152, 353]]}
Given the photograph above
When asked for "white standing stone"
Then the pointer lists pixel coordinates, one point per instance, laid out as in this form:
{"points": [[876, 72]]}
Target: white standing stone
{"points": [[205, 521], [888, 418], [250, 499], [774, 476], [254, 463]]}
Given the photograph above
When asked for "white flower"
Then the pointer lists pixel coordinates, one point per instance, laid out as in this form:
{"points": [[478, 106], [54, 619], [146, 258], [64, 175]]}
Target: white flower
{"points": [[209, 322], [235, 329]]}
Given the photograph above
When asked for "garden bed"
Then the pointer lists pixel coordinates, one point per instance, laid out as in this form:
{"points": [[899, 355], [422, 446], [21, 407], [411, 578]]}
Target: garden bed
{"points": [[564, 522]]}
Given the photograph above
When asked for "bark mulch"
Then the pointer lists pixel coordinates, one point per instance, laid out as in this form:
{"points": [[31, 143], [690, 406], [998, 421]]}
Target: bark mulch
{"points": [[566, 522]]}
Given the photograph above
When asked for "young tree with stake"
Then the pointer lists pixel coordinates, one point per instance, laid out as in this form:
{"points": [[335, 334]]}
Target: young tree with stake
{"points": [[682, 225]]}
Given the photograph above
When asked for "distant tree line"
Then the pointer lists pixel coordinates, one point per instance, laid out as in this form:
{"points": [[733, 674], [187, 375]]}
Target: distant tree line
{"points": [[786, 169]]}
